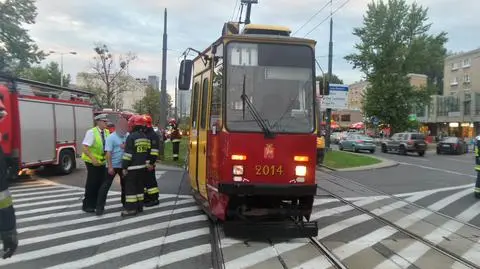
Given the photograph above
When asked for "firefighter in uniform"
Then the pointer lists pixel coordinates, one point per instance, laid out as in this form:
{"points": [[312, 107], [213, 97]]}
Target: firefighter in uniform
{"points": [[175, 138], [151, 186], [8, 225], [320, 149], [134, 164], [477, 166]]}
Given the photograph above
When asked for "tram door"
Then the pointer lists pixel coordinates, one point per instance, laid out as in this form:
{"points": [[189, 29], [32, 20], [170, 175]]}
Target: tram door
{"points": [[193, 143], [198, 137], [202, 135]]}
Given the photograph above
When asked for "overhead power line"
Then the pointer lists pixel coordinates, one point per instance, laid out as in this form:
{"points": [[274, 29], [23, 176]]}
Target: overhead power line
{"points": [[328, 17], [311, 18], [234, 10]]}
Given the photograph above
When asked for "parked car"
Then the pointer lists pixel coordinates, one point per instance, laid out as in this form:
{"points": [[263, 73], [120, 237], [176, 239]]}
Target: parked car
{"points": [[405, 142], [452, 145], [357, 142]]}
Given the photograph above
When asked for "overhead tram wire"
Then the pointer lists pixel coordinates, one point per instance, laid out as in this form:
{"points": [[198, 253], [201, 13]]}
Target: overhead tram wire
{"points": [[328, 17], [311, 18], [234, 10]]}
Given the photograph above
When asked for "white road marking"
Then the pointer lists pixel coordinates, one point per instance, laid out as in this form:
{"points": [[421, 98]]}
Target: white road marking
{"points": [[15, 200], [439, 169], [320, 262], [450, 199], [27, 186], [48, 187], [94, 218], [119, 252], [45, 252]]}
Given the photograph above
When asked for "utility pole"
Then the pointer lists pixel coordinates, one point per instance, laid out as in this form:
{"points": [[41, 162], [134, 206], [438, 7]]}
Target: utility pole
{"points": [[163, 87], [330, 58]]}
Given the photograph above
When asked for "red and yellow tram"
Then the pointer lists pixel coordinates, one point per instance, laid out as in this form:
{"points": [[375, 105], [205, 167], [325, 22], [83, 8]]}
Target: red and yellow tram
{"points": [[252, 145]]}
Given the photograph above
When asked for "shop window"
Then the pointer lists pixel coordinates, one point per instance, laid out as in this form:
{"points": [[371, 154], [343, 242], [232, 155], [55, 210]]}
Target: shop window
{"points": [[345, 117]]}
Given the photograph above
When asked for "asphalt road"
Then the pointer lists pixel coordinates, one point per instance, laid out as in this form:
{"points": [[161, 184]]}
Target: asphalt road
{"points": [[55, 233]]}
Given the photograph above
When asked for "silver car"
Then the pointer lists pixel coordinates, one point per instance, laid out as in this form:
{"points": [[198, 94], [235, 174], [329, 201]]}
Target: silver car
{"points": [[357, 142]]}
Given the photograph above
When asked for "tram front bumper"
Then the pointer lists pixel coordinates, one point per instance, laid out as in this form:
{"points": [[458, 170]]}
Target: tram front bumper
{"points": [[267, 189]]}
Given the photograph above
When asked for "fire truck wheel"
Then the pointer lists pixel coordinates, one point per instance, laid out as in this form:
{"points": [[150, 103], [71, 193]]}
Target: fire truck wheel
{"points": [[66, 162]]}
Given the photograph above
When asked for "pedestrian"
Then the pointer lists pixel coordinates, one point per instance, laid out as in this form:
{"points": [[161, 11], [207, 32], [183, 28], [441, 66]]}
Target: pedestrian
{"points": [[8, 223], [320, 149], [134, 165], [94, 157], [151, 186], [114, 147], [175, 138]]}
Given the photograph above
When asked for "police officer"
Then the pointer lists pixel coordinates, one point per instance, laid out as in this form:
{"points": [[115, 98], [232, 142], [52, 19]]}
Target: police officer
{"points": [[134, 164], [477, 166], [175, 138], [94, 157], [8, 226], [151, 186]]}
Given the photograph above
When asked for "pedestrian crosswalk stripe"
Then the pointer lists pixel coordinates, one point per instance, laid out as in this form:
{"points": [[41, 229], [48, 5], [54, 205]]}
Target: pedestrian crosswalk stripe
{"points": [[105, 256]]}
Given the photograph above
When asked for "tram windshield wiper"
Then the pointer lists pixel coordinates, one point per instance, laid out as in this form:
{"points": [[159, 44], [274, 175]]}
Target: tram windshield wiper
{"points": [[256, 116]]}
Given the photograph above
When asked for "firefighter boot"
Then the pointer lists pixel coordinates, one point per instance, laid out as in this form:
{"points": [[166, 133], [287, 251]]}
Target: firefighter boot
{"points": [[128, 213], [152, 203]]}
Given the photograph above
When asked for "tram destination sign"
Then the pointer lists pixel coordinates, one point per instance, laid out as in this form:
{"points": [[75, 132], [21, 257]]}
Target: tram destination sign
{"points": [[337, 99]]}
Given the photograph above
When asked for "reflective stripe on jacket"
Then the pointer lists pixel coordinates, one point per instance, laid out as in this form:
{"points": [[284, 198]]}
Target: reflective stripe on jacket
{"points": [[97, 148], [5, 199]]}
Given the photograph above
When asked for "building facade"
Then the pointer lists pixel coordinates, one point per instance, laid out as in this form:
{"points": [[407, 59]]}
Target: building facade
{"points": [[127, 90]]}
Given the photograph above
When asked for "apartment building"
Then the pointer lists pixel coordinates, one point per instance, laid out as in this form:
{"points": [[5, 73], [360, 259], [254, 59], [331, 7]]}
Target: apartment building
{"points": [[355, 94], [462, 72]]}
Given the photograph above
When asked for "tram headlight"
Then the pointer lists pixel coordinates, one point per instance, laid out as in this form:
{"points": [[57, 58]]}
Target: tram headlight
{"points": [[238, 170], [300, 170]]}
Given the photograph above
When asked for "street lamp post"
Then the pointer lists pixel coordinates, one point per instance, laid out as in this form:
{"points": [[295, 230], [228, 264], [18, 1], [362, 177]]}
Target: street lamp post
{"points": [[61, 62]]}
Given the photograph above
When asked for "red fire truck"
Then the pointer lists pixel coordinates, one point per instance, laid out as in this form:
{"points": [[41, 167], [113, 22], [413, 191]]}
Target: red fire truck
{"points": [[45, 124]]}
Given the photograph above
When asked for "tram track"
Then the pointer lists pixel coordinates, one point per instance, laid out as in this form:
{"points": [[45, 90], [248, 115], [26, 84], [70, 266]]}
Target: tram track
{"points": [[439, 249]]}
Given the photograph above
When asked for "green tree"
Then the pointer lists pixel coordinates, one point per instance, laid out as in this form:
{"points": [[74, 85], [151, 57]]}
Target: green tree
{"points": [[150, 104], [17, 49], [335, 79], [394, 41], [48, 74], [113, 79]]}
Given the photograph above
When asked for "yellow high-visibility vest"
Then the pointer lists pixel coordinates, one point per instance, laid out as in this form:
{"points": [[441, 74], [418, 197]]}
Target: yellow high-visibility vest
{"points": [[320, 142], [97, 148]]}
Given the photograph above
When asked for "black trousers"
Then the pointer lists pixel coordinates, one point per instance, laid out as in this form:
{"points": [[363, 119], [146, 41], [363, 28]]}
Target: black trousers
{"points": [[134, 187], [320, 156], [151, 187], [95, 177], [477, 185], [176, 150], [105, 187]]}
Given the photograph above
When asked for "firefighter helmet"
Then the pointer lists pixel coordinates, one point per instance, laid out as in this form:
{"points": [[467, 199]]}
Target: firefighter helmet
{"points": [[172, 122], [134, 121], [148, 120]]}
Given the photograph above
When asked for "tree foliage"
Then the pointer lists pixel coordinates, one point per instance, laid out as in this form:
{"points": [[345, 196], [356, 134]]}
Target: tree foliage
{"points": [[17, 49], [335, 79], [49, 73], [394, 41], [150, 104], [111, 75]]}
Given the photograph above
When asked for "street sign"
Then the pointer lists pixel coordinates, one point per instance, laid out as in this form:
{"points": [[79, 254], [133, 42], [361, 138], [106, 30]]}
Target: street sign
{"points": [[337, 99], [412, 117], [375, 120]]}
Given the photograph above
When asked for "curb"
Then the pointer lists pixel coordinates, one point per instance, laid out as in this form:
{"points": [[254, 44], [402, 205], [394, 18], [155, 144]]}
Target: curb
{"points": [[384, 163], [159, 166]]}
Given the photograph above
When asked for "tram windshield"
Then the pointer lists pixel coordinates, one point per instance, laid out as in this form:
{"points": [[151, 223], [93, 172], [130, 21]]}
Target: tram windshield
{"points": [[278, 80]]}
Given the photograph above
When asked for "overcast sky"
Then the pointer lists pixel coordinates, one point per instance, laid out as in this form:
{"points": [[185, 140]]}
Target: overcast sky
{"points": [[137, 26]]}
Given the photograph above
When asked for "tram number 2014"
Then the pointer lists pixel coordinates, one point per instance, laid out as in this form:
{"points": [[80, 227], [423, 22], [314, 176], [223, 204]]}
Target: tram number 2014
{"points": [[268, 170]]}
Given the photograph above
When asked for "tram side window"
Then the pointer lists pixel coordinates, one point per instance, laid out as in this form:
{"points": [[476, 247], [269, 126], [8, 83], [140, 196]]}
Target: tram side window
{"points": [[216, 105], [194, 109], [203, 115]]}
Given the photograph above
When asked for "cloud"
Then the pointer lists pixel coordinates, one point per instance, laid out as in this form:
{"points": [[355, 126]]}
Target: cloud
{"points": [[137, 26]]}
